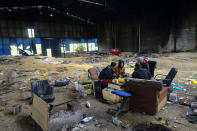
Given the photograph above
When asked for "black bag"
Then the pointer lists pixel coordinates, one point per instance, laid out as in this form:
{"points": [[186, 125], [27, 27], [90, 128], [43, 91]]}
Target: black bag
{"points": [[62, 82]]}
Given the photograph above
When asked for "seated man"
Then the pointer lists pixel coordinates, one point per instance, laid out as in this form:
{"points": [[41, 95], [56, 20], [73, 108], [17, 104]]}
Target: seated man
{"points": [[108, 72], [140, 72], [143, 62], [120, 69]]}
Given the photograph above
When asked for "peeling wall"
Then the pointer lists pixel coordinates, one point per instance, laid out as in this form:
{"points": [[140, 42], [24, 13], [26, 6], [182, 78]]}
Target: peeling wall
{"points": [[157, 29]]}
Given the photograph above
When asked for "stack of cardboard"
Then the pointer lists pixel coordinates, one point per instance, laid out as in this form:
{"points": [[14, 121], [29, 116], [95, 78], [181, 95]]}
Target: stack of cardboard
{"points": [[107, 95]]}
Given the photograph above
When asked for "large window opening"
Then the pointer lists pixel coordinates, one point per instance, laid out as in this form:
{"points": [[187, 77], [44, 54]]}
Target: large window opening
{"points": [[30, 32]]}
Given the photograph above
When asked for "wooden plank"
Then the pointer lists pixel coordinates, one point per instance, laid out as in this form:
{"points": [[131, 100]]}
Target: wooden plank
{"points": [[162, 104], [40, 112]]}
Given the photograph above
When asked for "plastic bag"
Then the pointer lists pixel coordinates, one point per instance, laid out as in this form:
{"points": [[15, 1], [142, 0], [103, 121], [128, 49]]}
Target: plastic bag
{"points": [[62, 82]]}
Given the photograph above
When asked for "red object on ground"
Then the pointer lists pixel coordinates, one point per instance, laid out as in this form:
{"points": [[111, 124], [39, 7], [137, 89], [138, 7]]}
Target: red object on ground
{"points": [[106, 81], [184, 102], [114, 51]]}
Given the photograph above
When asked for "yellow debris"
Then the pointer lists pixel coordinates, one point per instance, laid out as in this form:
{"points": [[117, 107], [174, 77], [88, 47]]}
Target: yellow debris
{"points": [[45, 74], [86, 86], [163, 122], [89, 91], [121, 80], [194, 81]]}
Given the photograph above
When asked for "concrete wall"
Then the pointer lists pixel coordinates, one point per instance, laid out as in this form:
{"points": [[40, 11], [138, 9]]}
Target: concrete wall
{"points": [[118, 34], [105, 36], [186, 30], [157, 27], [15, 26]]}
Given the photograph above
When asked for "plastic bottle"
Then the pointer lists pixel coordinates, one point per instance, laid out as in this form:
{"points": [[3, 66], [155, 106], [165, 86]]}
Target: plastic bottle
{"points": [[76, 86], [193, 105]]}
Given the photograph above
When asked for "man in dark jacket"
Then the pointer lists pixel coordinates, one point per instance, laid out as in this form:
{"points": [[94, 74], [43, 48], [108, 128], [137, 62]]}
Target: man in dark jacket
{"points": [[108, 72], [144, 63], [141, 73]]}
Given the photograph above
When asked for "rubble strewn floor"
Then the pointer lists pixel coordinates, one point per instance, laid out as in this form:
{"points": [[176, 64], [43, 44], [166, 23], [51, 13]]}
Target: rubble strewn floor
{"points": [[16, 74]]}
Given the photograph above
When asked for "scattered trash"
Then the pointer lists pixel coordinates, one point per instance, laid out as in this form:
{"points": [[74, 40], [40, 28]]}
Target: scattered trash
{"points": [[78, 87], [95, 59], [63, 118], [86, 86], [22, 88], [16, 109], [173, 97], [90, 91], [66, 62], [87, 119], [62, 82], [45, 74], [184, 102], [195, 111], [193, 105], [181, 98], [84, 93], [88, 104], [186, 125], [192, 77], [119, 80], [177, 88], [74, 129], [194, 81], [160, 122], [150, 127], [81, 125], [168, 102], [114, 51], [61, 69], [187, 83], [116, 121], [85, 82], [34, 79], [192, 118]]}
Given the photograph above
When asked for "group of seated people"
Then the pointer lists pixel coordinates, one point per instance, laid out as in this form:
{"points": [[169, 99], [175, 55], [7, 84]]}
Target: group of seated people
{"points": [[141, 70]]}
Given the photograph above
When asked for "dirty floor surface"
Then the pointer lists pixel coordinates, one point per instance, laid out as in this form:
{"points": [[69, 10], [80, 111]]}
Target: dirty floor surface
{"points": [[16, 74]]}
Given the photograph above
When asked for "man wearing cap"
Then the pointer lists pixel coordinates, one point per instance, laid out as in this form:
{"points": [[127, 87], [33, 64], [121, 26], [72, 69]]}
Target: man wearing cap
{"points": [[143, 62]]}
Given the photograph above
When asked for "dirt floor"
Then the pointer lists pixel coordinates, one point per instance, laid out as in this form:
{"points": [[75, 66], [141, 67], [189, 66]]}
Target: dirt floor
{"points": [[16, 74]]}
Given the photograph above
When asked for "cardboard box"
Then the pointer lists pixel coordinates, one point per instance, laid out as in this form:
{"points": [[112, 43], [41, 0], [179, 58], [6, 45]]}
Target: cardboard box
{"points": [[107, 95], [114, 86]]}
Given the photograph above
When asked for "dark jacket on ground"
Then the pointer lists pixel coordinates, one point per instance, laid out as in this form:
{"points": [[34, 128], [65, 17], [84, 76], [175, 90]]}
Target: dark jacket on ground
{"points": [[106, 73], [141, 74]]}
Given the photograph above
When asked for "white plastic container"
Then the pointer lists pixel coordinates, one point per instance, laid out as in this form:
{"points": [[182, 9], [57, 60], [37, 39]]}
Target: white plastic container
{"points": [[173, 97]]}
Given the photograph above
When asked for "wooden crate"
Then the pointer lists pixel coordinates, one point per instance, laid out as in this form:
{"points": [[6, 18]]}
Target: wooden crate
{"points": [[107, 95], [40, 112]]}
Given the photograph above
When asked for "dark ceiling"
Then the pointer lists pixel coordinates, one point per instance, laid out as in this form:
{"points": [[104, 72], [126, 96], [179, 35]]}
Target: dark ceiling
{"points": [[82, 8], [91, 9]]}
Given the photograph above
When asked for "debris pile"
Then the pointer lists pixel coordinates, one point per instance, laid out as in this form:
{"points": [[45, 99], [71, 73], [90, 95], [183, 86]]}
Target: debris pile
{"points": [[68, 118], [6, 60], [95, 59], [154, 127]]}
